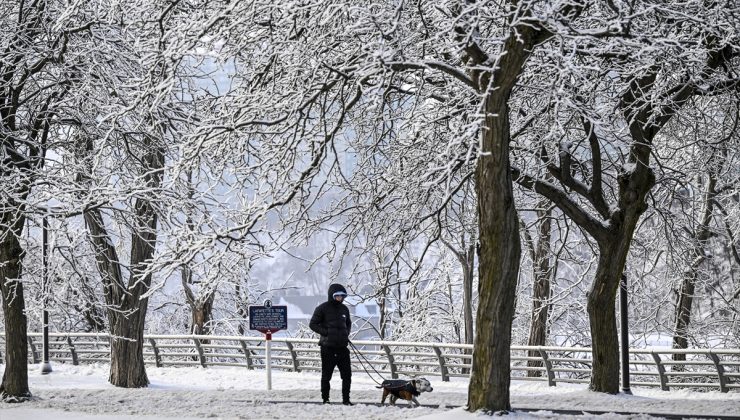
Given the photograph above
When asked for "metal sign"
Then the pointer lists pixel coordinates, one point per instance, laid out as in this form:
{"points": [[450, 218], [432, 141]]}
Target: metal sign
{"points": [[268, 318]]}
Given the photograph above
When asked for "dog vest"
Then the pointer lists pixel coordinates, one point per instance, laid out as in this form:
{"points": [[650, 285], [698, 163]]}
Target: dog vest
{"points": [[396, 386]]}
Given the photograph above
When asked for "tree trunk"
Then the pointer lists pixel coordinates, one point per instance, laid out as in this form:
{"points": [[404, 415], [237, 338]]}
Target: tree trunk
{"points": [[201, 307], [498, 268], [498, 224], [126, 301], [126, 308], [603, 321], [241, 302], [468, 268], [14, 387], [541, 288], [202, 314], [466, 258], [685, 297], [684, 301], [614, 246], [127, 352], [383, 318]]}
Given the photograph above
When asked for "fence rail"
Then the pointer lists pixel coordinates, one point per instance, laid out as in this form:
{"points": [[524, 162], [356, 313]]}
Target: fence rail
{"points": [[651, 367]]}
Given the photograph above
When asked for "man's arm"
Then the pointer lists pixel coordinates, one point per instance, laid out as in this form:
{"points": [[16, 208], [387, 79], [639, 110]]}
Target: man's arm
{"points": [[317, 321], [349, 321]]}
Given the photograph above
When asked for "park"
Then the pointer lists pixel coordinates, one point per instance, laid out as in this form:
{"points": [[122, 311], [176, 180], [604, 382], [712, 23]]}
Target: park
{"points": [[505, 199]]}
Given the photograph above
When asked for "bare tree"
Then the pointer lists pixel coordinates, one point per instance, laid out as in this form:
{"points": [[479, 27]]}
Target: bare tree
{"points": [[542, 274], [36, 77], [647, 96], [461, 226], [130, 141], [397, 69]]}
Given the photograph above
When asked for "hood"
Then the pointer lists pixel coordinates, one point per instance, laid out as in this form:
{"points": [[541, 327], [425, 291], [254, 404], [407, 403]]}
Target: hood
{"points": [[336, 287]]}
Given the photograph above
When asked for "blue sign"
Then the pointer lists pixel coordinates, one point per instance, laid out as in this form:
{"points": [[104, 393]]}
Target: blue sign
{"points": [[268, 319]]}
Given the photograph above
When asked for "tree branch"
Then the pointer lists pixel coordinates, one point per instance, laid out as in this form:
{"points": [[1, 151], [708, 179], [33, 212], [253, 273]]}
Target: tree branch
{"points": [[571, 209]]}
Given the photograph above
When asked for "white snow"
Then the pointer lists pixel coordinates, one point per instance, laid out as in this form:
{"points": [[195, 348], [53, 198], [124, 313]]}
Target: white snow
{"points": [[82, 392]]}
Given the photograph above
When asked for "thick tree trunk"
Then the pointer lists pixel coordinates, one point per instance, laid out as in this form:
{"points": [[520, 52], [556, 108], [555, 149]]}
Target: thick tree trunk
{"points": [[603, 321], [498, 268], [498, 224], [541, 288], [614, 246], [14, 387], [127, 352], [202, 315], [126, 301]]}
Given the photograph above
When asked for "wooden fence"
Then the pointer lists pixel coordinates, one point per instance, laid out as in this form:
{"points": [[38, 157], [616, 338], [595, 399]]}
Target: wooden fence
{"points": [[651, 367]]}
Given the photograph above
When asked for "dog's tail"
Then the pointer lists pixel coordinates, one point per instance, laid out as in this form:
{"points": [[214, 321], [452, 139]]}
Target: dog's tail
{"points": [[379, 386]]}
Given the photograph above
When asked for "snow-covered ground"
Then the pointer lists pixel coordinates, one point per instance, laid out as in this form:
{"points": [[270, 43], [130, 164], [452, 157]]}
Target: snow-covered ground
{"points": [[82, 392]]}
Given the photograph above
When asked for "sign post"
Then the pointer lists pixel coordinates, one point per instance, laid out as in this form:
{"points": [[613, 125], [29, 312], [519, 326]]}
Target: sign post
{"points": [[268, 319]]}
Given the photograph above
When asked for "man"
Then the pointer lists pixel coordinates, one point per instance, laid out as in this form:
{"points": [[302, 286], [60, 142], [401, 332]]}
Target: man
{"points": [[331, 321]]}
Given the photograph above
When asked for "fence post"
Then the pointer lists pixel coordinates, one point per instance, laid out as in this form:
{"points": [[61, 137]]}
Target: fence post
{"points": [[548, 367], [661, 371], [720, 372], [293, 356], [442, 367], [247, 356], [391, 361], [72, 351], [198, 347], [34, 355], [155, 350]]}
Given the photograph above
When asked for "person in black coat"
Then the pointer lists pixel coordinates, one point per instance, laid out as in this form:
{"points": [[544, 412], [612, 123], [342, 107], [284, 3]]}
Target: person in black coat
{"points": [[331, 321]]}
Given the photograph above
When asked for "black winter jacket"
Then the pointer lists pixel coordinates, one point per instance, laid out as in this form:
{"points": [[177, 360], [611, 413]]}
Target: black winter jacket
{"points": [[331, 321]]}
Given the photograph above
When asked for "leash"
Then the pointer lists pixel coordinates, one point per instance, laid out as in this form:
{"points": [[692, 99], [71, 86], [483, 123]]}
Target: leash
{"points": [[360, 357]]}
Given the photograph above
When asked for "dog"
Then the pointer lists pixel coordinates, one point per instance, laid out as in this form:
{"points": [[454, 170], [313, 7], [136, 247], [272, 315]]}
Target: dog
{"points": [[407, 390]]}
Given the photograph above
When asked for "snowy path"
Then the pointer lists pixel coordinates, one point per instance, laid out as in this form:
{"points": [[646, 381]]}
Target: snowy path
{"points": [[239, 393]]}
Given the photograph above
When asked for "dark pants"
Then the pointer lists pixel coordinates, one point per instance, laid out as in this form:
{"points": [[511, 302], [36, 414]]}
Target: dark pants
{"points": [[332, 357]]}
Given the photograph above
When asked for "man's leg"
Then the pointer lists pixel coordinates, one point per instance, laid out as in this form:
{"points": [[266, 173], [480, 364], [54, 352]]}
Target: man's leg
{"points": [[345, 371], [328, 362]]}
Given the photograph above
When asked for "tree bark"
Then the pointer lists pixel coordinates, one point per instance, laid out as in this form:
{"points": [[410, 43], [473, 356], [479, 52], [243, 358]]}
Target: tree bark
{"points": [[127, 352], [241, 302], [684, 302], [201, 307], [383, 321], [498, 224], [14, 386], [498, 267], [541, 288], [468, 268], [603, 322]]}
